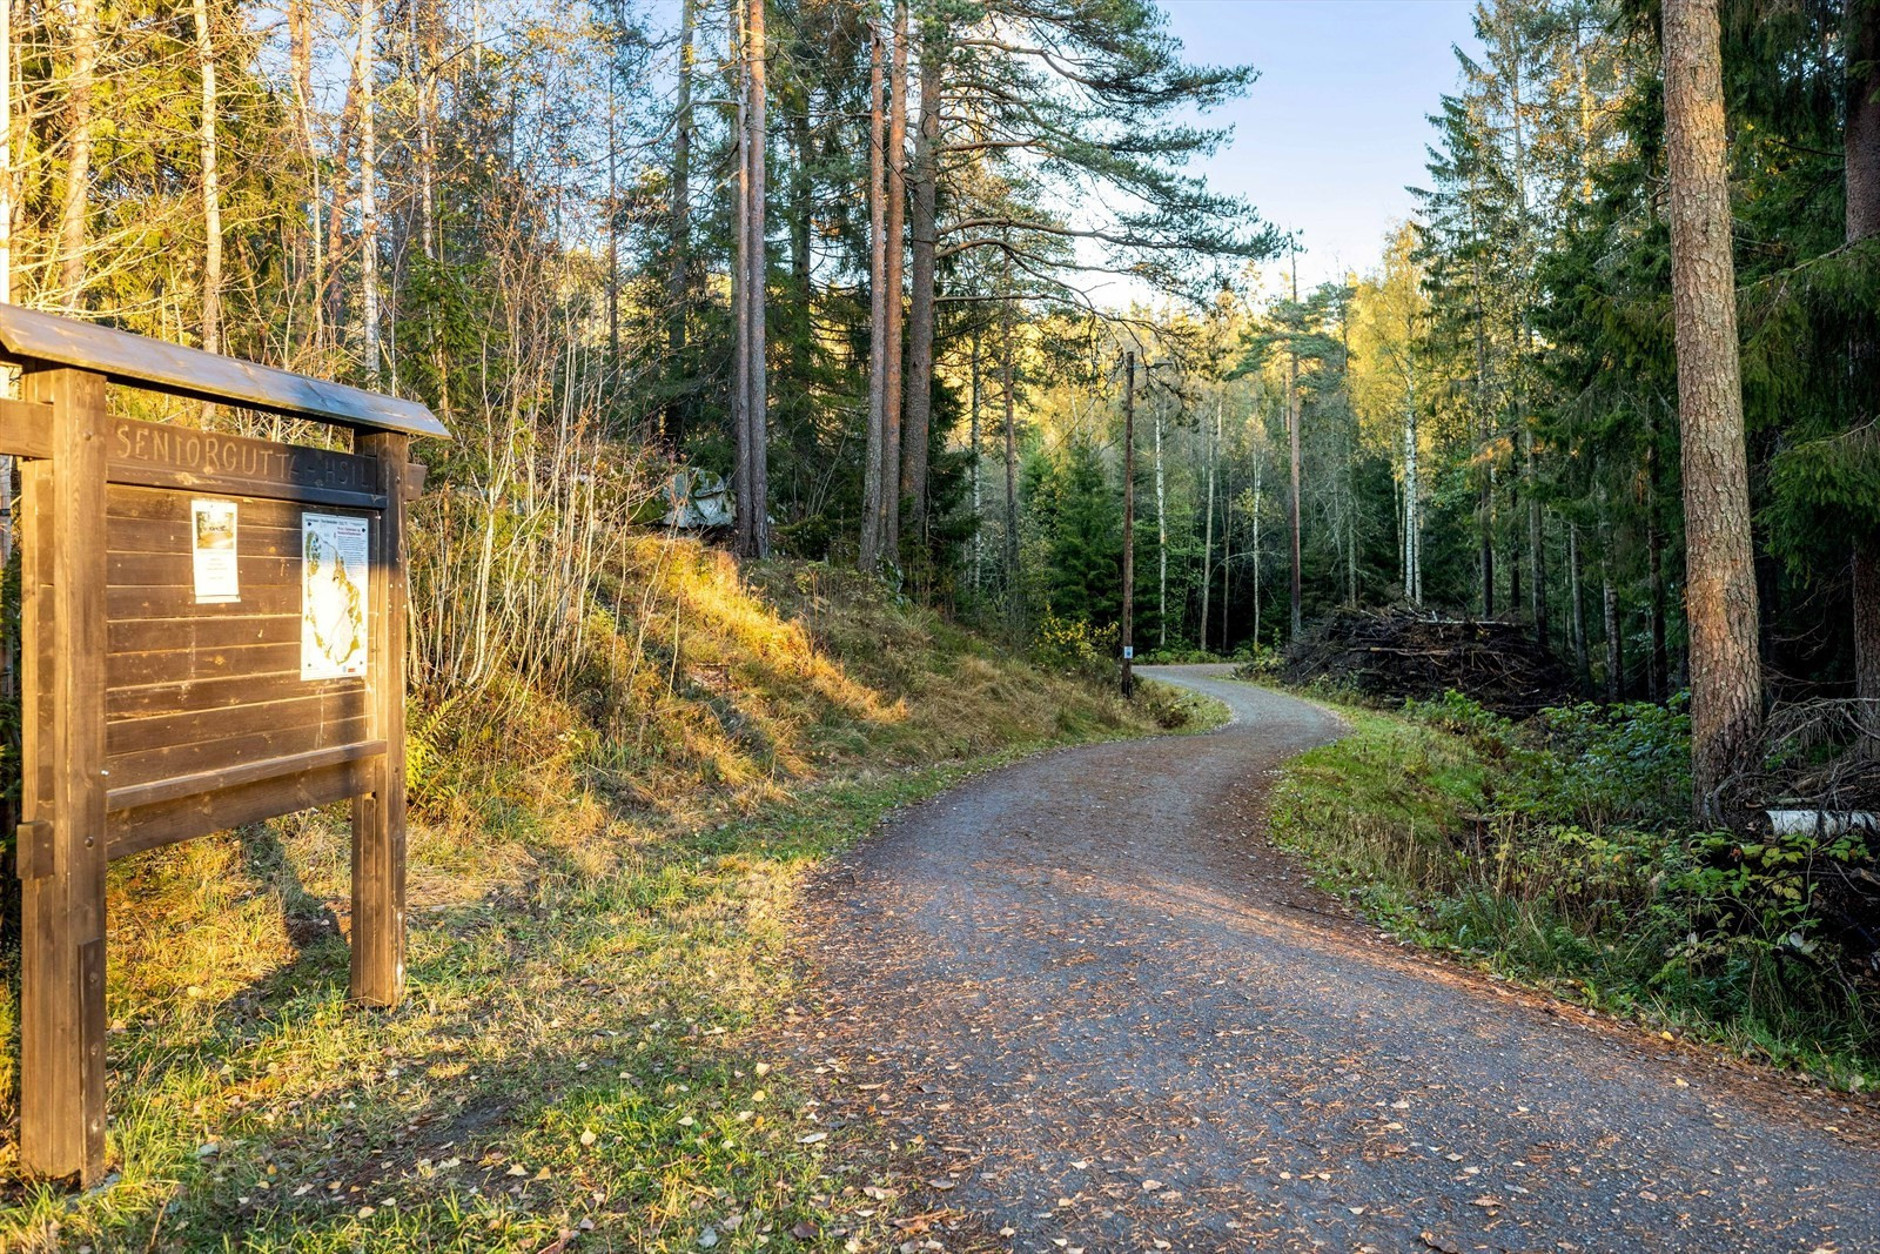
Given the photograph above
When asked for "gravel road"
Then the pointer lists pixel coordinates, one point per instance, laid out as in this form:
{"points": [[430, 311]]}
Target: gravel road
{"points": [[1120, 1021]]}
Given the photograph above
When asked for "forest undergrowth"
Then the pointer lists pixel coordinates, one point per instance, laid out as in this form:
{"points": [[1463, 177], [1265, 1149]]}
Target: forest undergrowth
{"points": [[1559, 851], [600, 895]]}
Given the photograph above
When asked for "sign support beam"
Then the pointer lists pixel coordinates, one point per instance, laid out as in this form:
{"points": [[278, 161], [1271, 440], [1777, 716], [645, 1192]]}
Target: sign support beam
{"points": [[378, 848], [62, 1020]]}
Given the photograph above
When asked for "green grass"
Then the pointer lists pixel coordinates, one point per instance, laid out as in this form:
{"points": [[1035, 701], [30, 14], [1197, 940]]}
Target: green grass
{"points": [[597, 976], [1445, 841]]}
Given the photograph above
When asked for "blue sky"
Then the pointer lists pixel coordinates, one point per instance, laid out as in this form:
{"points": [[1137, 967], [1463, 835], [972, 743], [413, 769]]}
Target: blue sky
{"points": [[1327, 138]]}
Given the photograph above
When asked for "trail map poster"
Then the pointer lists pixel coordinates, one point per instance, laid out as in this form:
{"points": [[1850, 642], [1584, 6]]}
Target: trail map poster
{"points": [[212, 544], [335, 557]]}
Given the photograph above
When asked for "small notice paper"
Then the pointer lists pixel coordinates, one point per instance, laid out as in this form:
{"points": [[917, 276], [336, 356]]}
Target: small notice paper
{"points": [[212, 540], [335, 560]]}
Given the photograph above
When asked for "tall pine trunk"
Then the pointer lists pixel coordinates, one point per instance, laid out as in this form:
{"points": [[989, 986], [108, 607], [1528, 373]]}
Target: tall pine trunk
{"points": [[740, 272], [1297, 623], [1577, 603], [1609, 619], [1011, 468], [753, 512], [310, 259], [1862, 149], [979, 552], [920, 316], [211, 189], [893, 399], [679, 232], [872, 482], [368, 193], [1207, 541], [1721, 597], [1161, 538]]}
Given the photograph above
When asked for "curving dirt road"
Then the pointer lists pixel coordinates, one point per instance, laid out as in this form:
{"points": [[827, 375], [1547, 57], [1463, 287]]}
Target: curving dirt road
{"points": [[1122, 1022]]}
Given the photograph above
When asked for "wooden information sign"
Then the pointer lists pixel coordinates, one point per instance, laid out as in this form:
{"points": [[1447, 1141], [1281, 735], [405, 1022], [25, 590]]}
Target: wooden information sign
{"points": [[212, 634]]}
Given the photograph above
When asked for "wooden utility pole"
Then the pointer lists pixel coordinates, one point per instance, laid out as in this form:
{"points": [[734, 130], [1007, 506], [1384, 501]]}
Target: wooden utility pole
{"points": [[1720, 597], [1292, 434], [1129, 522]]}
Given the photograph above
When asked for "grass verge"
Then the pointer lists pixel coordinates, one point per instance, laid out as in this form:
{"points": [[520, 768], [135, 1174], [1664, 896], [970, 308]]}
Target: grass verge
{"points": [[1492, 843]]}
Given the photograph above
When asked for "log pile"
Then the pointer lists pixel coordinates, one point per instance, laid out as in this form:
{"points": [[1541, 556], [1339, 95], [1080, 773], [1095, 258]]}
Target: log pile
{"points": [[1388, 655]]}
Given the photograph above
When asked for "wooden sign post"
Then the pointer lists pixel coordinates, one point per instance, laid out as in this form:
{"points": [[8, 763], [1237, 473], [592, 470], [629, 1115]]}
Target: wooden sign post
{"points": [[212, 634]]}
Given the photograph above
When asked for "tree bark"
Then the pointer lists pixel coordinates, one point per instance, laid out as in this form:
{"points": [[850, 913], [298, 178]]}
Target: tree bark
{"points": [[978, 477], [1862, 150], [920, 318], [6, 278], [211, 189], [872, 481], [1129, 522], [1615, 644], [756, 354], [1577, 603], [891, 487], [679, 230], [333, 291], [1011, 467], [1721, 598], [1537, 548], [1207, 541], [1412, 503], [740, 277], [368, 193], [1292, 436], [75, 213], [1660, 677], [1161, 539]]}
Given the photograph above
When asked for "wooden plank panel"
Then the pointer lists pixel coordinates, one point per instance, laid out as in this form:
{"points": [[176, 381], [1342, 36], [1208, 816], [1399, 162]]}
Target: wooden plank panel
{"points": [[157, 504], [137, 360], [219, 694], [172, 535], [25, 429], [131, 769], [175, 666], [177, 570], [178, 601], [223, 631], [178, 787], [136, 735], [133, 831]]}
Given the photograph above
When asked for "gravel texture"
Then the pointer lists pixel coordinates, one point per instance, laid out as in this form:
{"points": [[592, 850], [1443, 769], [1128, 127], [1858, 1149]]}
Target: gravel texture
{"points": [[1115, 1019]]}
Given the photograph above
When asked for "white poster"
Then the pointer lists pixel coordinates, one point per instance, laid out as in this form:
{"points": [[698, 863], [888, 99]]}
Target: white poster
{"points": [[212, 541], [335, 557]]}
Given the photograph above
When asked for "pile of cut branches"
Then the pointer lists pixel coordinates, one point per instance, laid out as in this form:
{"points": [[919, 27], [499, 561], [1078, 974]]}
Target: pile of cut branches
{"points": [[1387, 655]]}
